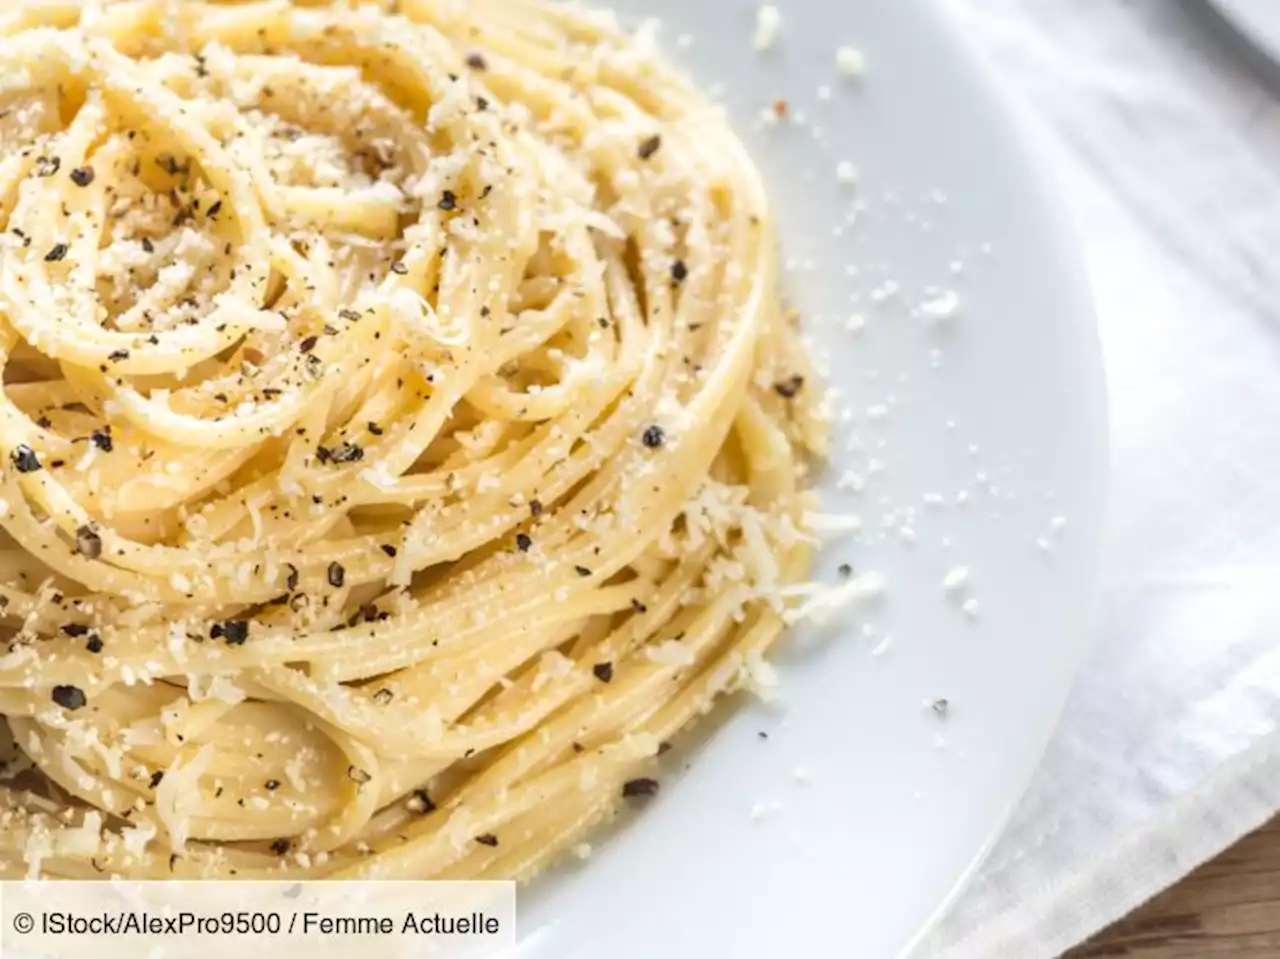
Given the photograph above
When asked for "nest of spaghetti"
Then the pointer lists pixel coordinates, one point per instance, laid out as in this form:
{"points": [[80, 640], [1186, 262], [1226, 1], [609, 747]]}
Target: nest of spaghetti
{"points": [[402, 438]]}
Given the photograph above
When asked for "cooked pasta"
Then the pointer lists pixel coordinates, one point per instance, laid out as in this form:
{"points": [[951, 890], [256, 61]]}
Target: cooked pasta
{"points": [[402, 436]]}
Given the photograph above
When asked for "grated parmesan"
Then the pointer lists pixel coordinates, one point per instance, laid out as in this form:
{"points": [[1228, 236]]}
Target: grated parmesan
{"points": [[850, 61], [179, 793], [956, 578], [768, 25]]}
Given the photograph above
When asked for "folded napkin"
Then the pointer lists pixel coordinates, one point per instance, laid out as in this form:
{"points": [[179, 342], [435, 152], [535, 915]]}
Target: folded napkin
{"points": [[1165, 141]]}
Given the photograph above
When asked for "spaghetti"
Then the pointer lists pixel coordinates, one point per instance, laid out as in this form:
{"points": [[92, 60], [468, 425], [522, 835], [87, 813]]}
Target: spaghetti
{"points": [[402, 437]]}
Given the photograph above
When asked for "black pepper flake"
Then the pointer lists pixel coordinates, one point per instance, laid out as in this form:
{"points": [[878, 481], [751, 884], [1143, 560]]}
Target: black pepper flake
{"points": [[280, 847], [383, 696], [346, 453], [25, 459], [375, 429], [308, 344], [654, 436], [75, 630], [664, 747], [448, 201], [215, 209], [116, 356], [423, 802], [535, 508], [358, 775], [69, 697], [488, 839], [603, 672], [399, 268], [102, 439], [789, 387], [649, 146], [291, 582], [171, 166], [940, 706], [762, 734], [639, 788], [56, 253], [48, 166], [94, 645], [350, 315], [82, 176], [578, 747], [156, 778], [147, 245], [233, 631], [523, 542], [88, 543], [679, 272], [337, 575], [844, 569], [638, 607], [582, 571], [389, 550], [476, 62], [272, 785]]}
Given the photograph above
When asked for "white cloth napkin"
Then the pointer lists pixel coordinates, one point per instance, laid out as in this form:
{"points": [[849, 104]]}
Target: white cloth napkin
{"points": [[1166, 140]]}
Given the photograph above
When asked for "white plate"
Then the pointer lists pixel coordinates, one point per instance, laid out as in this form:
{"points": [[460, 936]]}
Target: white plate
{"points": [[899, 804], [1258, 20]]}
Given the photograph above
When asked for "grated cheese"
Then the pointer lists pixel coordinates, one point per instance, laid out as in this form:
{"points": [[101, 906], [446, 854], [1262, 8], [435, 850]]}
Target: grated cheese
{"points": [[941, 307], [671, 653], [850, 61], [761, 676], [179, 793], [768, 25], [957, 578], [819, 607], [136, 838], [831, 523]]}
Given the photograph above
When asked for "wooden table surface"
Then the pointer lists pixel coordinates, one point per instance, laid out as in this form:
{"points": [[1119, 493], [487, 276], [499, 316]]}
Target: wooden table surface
{"points": [[1227, 908]]}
